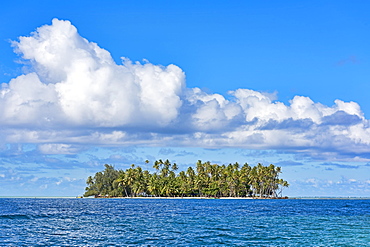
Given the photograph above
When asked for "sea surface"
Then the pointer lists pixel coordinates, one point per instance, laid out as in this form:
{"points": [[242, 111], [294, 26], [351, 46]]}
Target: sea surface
{"points": [[183, 222]]}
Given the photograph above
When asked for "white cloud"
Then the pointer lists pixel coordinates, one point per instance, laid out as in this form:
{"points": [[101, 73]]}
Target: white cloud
{"points": [[76, 94], [212, 111], [259, 106], [75, 82], [53, 148]]}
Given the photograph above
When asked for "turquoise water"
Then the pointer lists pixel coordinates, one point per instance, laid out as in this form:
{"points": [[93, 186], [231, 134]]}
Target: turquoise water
{"points": [[183, 222]]}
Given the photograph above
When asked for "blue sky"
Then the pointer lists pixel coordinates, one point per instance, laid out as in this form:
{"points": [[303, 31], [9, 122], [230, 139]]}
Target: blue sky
{"points": [[87, 83]]}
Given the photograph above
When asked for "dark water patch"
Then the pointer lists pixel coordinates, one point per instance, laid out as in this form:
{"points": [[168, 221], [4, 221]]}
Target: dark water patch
{"points": [[15, 217]]}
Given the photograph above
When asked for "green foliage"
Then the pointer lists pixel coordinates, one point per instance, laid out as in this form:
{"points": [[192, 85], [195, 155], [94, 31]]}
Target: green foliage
{"points": [[210, 180], [102, 183]]}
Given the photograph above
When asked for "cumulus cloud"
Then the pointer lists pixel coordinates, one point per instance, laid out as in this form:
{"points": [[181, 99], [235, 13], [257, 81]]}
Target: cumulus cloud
{"points": [[76, 82], [74, 93]]}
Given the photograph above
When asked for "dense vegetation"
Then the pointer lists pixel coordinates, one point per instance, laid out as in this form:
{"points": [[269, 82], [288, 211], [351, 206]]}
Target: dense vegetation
{"points": [[206, 180]]}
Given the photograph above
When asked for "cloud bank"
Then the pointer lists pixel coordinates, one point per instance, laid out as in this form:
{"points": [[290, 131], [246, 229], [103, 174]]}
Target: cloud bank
{"points": [[74, 93]]}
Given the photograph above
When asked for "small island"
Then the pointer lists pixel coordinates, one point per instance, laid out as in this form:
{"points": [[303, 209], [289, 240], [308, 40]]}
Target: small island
{"points": [[205, 180]]}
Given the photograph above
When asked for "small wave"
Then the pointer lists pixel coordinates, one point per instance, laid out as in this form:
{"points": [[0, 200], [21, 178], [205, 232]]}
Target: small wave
{"points": [[15, 217]]}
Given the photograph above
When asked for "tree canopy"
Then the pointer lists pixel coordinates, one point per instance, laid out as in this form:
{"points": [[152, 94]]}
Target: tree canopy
{"points": [[204, 180]]}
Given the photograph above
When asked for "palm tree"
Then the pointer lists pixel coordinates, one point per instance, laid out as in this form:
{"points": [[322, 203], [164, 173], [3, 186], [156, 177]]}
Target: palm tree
{"points": [[120, 181], [156, 165], [182, 182], [210, 180]]}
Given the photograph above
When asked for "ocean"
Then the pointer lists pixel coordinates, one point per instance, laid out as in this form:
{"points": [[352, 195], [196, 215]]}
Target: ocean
{"points": [[183, 222]]}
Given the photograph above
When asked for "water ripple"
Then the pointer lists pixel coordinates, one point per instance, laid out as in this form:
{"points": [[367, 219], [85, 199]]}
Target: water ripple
{"points": [[153, 222]]}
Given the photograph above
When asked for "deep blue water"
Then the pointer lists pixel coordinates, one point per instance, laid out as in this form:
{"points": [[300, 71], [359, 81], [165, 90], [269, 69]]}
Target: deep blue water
{"points": [[183, 222]]}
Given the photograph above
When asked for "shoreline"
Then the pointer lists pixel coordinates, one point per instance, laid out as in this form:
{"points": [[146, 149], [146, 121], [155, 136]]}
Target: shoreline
{"points": [[202, 197], [190, 198], [236, 198]]}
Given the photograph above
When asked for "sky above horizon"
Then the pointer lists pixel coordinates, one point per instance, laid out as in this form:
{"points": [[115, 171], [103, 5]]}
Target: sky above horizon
{"points": [[88, 83]]}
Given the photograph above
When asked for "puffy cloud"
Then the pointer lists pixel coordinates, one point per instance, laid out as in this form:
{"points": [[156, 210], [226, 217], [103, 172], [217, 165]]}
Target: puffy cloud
{"points": [[27, 101], [212, 112], [75, 82], [75, 93], [259, 106]]}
